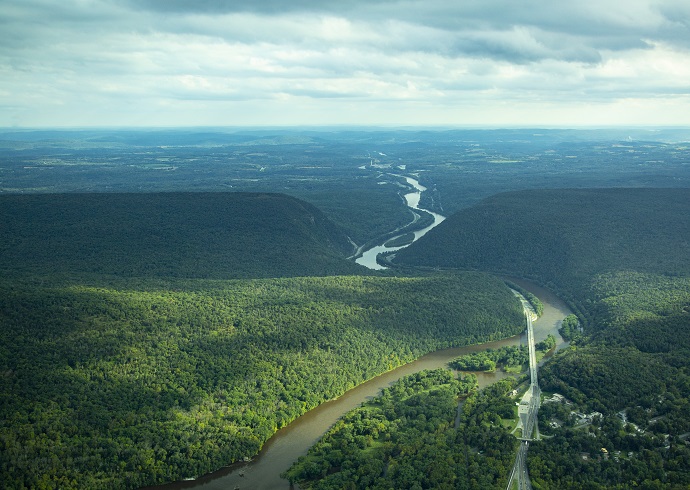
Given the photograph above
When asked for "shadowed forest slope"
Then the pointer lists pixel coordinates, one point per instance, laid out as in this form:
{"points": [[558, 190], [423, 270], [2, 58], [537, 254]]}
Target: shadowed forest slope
{"points": [[210, 235], [622, 258], [564, 236], [136, 382]]}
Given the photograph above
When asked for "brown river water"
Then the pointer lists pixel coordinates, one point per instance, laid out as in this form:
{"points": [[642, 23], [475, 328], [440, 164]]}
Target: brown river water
{"points": [[290, 442]]}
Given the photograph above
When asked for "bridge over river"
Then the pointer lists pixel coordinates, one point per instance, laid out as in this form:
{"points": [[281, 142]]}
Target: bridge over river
{"points": [[527, 411]]}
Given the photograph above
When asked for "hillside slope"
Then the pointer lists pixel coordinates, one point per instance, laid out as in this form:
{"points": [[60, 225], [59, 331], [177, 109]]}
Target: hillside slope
{"points": [[210, 235], [564, 236], [136, 382], [622, 256]]}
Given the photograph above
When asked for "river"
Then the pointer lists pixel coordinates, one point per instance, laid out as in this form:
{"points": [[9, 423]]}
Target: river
{"points": [[368, 258], [286, 445]]}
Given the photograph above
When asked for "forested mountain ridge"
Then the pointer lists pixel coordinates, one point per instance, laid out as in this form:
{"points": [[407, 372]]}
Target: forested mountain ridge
{"points": [[127, 382], [177, 234], [564, 236], [622, 257]]}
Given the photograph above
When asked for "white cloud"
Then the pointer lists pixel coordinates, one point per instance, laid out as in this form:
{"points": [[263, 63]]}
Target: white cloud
{"points": [[405, 62]]}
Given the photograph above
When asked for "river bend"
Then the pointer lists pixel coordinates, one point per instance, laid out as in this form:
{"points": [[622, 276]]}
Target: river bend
{"points": [[368, 258], [292, 441]]}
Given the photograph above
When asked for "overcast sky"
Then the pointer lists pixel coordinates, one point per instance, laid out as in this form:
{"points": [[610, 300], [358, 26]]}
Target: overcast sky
{"points": [[80, 63]]}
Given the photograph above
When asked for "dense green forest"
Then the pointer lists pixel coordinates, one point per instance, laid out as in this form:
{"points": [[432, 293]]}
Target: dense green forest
{"points": [[119, 367], [135, 381], [346, 173], [509, 357], [621, 257], [490, 359], [570, 327], [564, 237], [212, 235], [415, 436], [634, 368]]}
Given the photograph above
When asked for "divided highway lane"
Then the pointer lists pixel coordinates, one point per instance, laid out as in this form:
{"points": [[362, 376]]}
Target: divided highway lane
{"points": [[527, 411], [519, 473]]}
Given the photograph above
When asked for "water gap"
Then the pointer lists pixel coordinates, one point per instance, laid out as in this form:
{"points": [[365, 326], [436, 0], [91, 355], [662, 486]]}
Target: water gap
{"points": [[368, 258]]}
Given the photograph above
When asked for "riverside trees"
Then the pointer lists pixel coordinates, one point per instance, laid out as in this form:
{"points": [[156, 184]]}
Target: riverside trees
{"points": [[130, 382], [414, 436], [620, 258]]}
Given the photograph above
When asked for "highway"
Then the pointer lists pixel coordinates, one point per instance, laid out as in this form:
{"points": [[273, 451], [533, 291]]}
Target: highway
{"points": [[527, 411]]}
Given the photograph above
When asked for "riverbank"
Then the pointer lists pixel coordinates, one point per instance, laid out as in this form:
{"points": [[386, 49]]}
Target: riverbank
{"points": [[368, 256], [292, 441]]}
